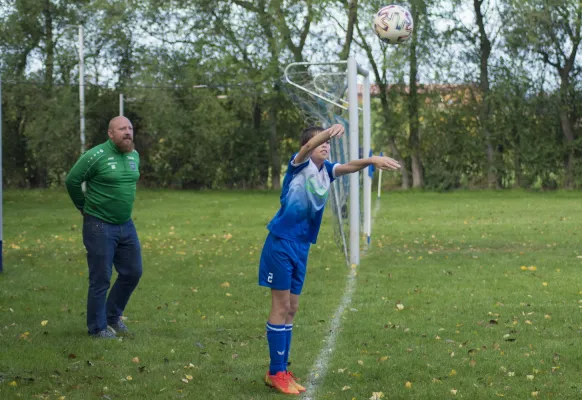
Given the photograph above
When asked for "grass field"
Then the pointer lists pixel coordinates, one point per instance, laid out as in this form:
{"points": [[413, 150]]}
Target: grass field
{"points": [[473, 295]]}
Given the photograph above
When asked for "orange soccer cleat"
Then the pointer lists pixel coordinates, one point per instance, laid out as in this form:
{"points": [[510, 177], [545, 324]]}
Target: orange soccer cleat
{"points": [[293, 379], [281, 381]]}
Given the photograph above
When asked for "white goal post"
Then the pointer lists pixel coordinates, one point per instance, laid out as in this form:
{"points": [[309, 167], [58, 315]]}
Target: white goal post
{"points": [[315, 84]]}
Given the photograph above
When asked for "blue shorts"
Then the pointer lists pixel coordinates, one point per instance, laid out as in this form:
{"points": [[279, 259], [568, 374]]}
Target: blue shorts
{"points": [[283, 264]]}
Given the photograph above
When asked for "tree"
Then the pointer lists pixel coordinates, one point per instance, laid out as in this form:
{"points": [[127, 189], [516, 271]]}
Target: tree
{"points": [[419, 13], [480, 42], [552, 30], [387, 64]]}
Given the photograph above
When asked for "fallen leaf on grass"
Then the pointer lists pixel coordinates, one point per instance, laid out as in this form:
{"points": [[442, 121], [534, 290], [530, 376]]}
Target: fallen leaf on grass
{"points": [[453, 391], [43, 323], [408, 385], [135, 360], [225, 284], [377, 396], [345, 388]]}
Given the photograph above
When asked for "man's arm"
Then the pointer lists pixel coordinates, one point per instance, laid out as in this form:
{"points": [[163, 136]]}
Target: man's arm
{"points": [[357, 165], [78, 174], [336, 131]]}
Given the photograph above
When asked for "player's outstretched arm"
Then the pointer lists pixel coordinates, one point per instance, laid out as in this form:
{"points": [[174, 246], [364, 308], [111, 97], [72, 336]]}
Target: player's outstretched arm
{"points": [[334, 131], [384, 163]]}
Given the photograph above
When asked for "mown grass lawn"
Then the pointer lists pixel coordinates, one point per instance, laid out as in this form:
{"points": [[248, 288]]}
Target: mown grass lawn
{"points": [[462, 295]]}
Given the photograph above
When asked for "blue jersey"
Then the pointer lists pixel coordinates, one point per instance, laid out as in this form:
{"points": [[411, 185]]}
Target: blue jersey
{"points": [[303, 197]]}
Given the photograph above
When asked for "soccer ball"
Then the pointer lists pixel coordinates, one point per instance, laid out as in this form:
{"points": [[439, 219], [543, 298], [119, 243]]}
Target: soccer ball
{"points": [[393, 24]]}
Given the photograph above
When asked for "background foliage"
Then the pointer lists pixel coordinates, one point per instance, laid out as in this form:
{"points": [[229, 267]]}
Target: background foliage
{"points": [[486, 95]]}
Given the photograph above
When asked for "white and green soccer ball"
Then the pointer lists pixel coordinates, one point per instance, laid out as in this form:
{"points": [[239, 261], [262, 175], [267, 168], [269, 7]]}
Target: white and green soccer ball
{"points": [[393, 24]]}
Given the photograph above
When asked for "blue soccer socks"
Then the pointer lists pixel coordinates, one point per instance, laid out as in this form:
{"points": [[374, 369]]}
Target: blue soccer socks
{"points": [[288, 335], [277, 338]]}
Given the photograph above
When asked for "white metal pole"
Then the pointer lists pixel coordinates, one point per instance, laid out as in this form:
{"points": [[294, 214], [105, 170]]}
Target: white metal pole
{"points": [[367, 153], [354, 141], [82, 87], [121, 104], [1, 181]]}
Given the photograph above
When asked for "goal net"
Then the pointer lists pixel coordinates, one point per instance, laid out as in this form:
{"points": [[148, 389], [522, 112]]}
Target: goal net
{"points": [[327, 94]]}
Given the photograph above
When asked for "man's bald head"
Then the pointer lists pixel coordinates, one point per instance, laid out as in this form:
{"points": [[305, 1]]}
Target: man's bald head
{"points": [[118, 120], [120, 131]]}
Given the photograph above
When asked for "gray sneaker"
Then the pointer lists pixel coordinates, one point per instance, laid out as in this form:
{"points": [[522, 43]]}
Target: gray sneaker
{"points": [[118, 328], [104, 334]]}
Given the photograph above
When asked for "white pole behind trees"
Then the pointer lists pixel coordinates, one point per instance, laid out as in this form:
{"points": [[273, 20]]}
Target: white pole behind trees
{"points": [[1, 180], [82, 88], [121, 104]]}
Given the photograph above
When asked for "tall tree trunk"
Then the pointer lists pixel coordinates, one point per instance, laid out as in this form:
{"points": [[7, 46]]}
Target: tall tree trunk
{"points": [[394, 152], [50, 45], [516, 155], [568, 129], [20, 155], [414, 136], [263, 169], [383, 88], [398, 157], [275, 160], [485, 111], [352, 20]]}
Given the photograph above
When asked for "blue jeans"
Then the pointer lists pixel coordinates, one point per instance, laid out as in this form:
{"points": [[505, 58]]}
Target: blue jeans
{"points": [[107, 245]]}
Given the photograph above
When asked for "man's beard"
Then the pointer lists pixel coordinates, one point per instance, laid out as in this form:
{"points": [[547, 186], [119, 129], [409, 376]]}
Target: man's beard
{"points": [[125, 146]]}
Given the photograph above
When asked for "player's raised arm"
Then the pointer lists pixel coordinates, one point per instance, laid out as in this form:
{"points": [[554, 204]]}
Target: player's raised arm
{"points": [[357, 165], [334, 131]]}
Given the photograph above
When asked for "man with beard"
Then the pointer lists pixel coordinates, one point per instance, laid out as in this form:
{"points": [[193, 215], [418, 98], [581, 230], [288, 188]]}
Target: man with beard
{"points": [[110, 171]]}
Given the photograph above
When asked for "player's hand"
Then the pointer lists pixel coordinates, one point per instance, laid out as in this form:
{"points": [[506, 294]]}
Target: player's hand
{"points": [[336, 131], [385, 163]]}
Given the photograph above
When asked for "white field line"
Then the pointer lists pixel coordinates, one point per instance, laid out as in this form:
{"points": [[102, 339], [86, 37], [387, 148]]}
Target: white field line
{"points": [[321, 363], [319, 369]]}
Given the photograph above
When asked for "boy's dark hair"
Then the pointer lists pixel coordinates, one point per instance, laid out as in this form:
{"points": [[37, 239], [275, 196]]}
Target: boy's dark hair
{"points": [[310, 132]]}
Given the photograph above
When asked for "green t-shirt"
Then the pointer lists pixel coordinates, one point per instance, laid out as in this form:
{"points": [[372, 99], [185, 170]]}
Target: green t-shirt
{"points": [[111, 177]]}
